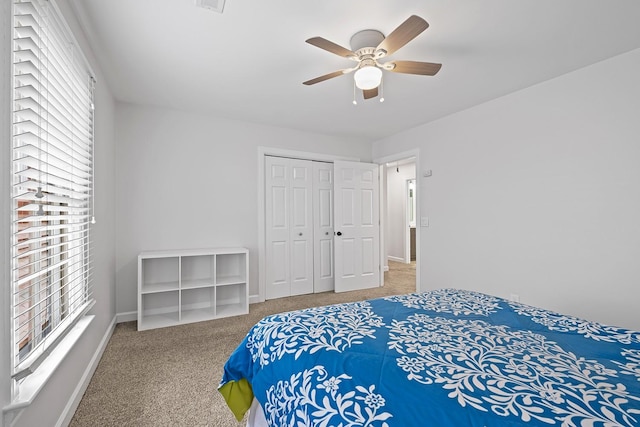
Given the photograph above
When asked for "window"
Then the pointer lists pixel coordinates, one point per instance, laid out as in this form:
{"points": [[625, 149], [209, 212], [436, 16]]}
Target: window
{"points": [[52, 168]]}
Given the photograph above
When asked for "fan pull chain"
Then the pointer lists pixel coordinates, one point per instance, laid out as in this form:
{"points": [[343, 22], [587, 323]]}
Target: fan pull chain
{"points": [[381, 90], [354, 93]]}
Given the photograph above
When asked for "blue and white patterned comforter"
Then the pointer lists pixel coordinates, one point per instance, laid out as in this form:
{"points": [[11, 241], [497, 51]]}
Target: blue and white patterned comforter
{"points": [[440, 358]]}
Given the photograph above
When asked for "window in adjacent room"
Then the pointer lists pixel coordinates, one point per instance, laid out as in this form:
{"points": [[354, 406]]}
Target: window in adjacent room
{"points": [[52, 168]]}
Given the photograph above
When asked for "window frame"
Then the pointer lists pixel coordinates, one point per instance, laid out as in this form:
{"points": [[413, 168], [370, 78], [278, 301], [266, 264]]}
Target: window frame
{"points": [[54, 340]]}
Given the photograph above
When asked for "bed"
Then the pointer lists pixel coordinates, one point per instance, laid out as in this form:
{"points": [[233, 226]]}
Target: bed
{"points": [[440, 358]]}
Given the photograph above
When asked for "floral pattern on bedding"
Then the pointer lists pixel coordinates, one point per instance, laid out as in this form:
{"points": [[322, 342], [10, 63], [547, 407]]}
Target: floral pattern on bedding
{"points": [[445, 357]]}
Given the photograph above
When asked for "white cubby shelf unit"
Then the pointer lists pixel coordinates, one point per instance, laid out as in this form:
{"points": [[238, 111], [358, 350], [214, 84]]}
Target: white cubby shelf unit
{"points": [[186, 286]]}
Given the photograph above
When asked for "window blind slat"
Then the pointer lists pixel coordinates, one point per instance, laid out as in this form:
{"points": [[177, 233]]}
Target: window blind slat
{"points": [[53, 155], [32, 243], [33, 183], [71, 297], [44, 280], [54, 167], [31, 312], [57, 38], [54, 128], [75, 241], [52, 199], [40, 272], [27, 69], [75, 270], [26, 102], [78, 271], [28, 64], [27, 120], [53, 87], [52, 228], [53, 181], [30, 191], [68, 220], [28, 133]]}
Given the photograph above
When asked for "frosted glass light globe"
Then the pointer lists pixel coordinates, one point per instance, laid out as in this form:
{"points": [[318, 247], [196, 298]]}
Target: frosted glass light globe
{"points": [[368, 77]]}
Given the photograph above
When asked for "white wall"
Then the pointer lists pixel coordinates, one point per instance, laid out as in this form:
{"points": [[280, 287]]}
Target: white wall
{"points": [[190, 181], [396, 218], [538, 194], [56, 402]]}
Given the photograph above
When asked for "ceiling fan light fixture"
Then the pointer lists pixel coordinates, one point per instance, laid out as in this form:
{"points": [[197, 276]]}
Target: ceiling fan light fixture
{"points": [[368, 77], [367, 47]]}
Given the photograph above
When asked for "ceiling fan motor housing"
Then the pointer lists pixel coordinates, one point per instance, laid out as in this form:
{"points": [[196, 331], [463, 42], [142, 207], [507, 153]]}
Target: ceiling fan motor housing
{"points": [[367, 61], [366, 39]]}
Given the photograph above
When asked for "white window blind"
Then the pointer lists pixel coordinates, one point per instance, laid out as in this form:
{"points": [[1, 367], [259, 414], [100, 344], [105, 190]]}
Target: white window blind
{"points": [[52, 163]]}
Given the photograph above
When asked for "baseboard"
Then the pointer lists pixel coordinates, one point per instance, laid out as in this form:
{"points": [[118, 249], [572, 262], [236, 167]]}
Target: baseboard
{"points": [[76, 397], [129, 316], [254, 299], [396, 259]]}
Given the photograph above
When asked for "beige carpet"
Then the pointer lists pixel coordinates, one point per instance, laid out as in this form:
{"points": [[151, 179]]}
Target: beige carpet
{"points": [[169, 376]]}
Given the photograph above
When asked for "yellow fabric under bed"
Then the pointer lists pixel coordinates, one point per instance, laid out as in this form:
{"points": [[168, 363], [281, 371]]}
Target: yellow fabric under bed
{"points": [[239, 396]]}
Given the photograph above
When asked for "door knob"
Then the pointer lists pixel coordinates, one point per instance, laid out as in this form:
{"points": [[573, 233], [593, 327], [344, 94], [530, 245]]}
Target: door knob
{"points": [[326, 233], [339, 233], [299, 234]]}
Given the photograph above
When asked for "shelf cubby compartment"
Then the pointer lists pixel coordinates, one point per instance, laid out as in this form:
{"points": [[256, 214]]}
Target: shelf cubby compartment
{"points": [[197, 304], [197, 271], [231, 300], [159, 274], [231, 268], [159, 309]]}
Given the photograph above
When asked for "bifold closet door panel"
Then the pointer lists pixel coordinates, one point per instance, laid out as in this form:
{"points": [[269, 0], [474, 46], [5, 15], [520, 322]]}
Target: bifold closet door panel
{"points": [[277, 227], [289, 227], [301, 227], [323, 227]]}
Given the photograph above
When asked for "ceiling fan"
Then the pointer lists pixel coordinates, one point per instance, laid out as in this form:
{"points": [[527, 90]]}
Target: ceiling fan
{"points": [[368, 47]]}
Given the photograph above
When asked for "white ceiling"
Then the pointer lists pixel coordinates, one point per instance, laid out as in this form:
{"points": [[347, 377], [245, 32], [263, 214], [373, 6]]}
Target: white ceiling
{"points": [[250, 61]]}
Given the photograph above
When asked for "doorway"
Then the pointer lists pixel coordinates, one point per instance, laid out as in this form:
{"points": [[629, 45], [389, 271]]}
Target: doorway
{"points": [[401, 212], [411, 220]]}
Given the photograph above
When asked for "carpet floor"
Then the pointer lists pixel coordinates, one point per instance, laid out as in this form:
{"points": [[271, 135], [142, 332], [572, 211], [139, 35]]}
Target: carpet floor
{"points": [[169, 376]]}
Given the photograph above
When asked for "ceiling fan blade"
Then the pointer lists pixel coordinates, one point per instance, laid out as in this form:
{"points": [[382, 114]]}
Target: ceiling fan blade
{"points": [[370, 93], [332, 47], [413, 67], [326, 77], [402, 35]]}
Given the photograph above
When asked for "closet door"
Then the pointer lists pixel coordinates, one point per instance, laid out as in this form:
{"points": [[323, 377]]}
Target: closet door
{"points": [[277, 227], [289, 231], [323, 227], [301, 231]]}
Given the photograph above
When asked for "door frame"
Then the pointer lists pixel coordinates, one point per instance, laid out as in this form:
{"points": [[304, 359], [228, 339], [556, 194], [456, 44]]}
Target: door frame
{"points": [[279, 152], [382, 161]]}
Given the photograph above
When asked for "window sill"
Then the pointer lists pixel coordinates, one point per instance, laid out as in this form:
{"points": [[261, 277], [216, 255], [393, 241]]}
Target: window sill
{"points": [[31, 385]]}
